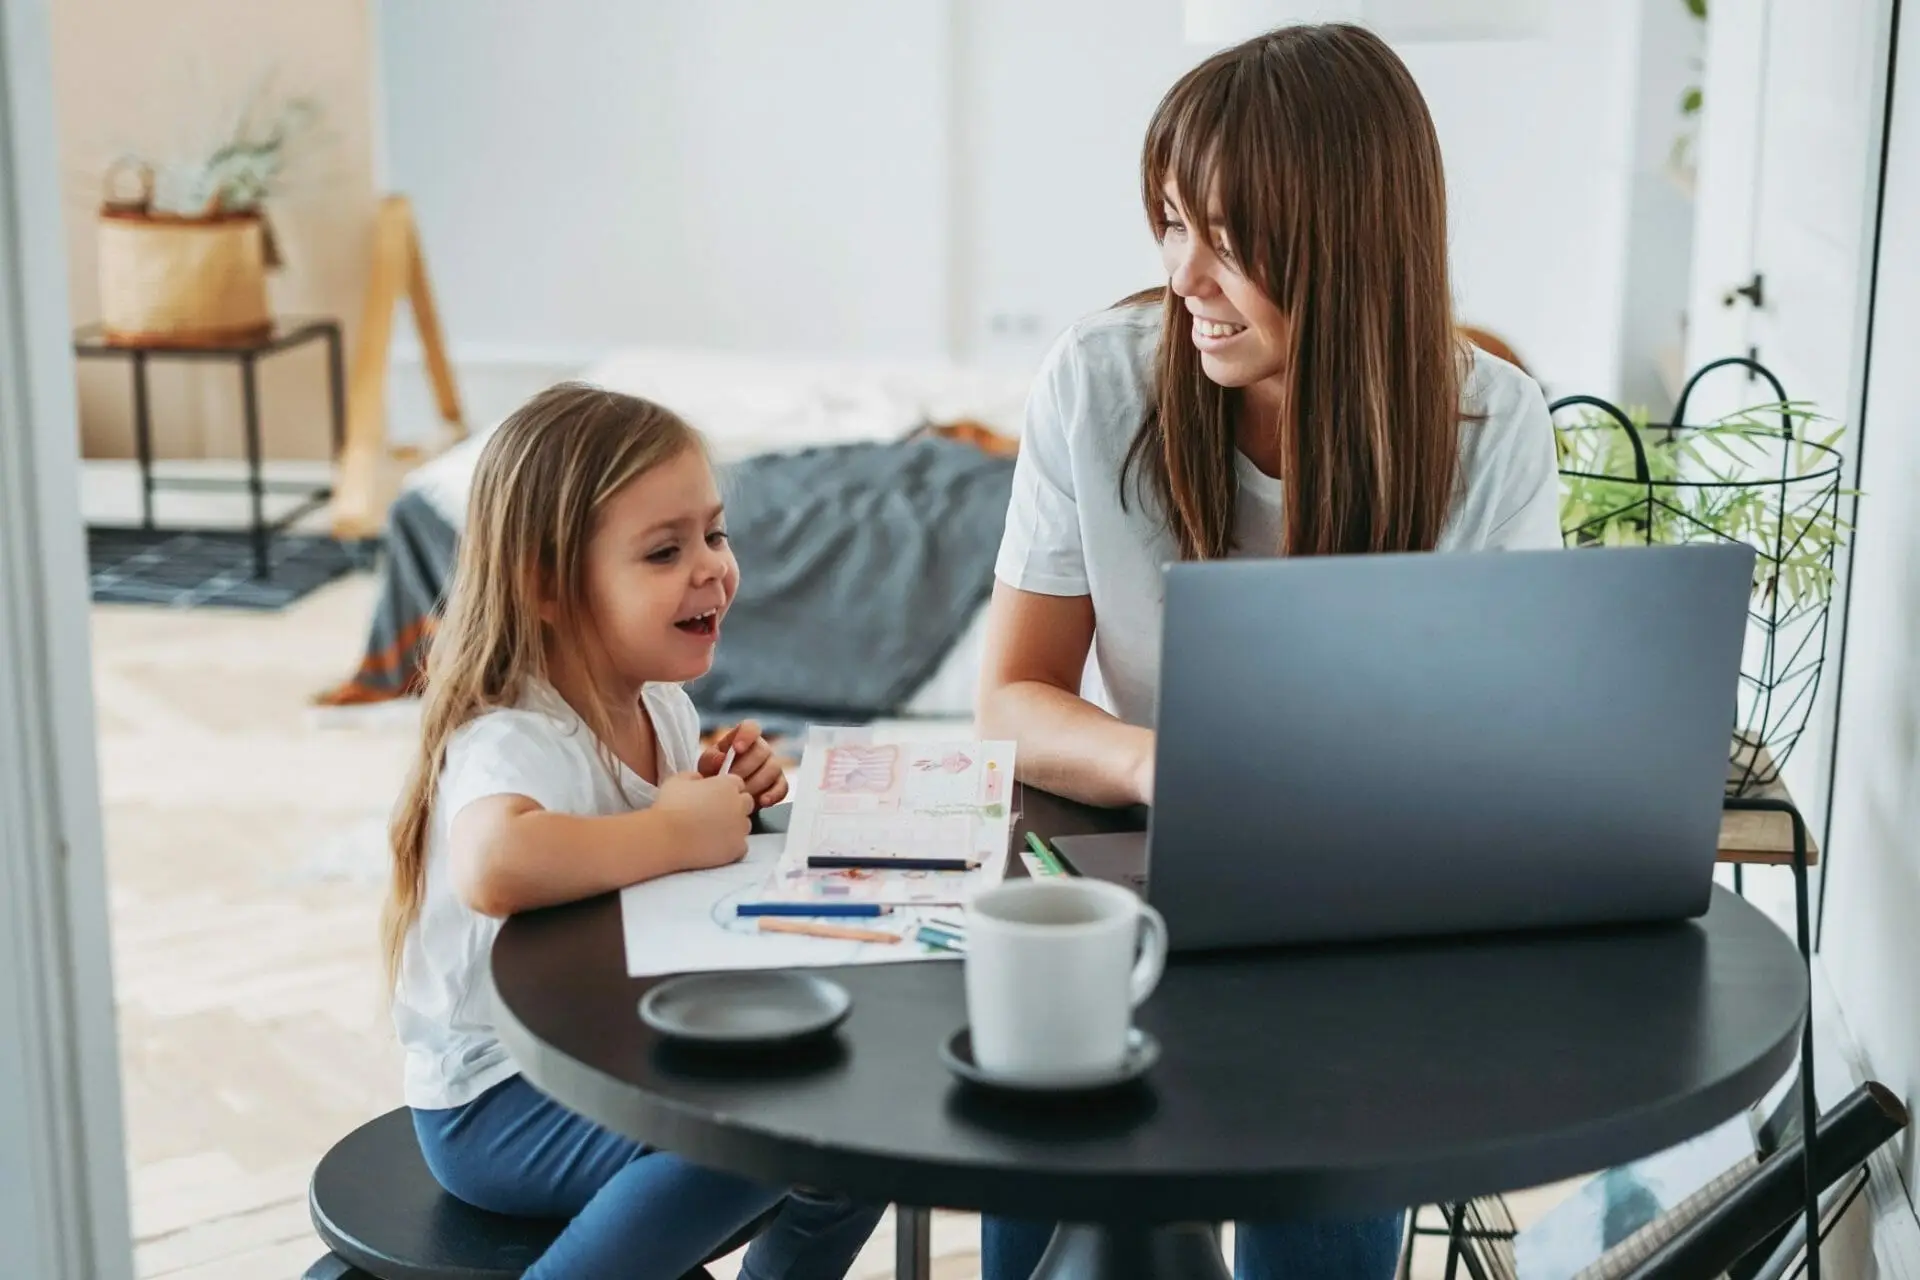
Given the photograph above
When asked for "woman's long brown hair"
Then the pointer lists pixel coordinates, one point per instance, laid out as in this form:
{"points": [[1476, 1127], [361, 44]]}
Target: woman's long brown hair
{"points": [[538, 487], [1315, 148]]}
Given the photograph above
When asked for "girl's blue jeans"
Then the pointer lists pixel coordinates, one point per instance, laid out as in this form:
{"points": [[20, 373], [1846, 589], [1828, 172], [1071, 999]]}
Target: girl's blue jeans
{"points": [[637, 1213]]}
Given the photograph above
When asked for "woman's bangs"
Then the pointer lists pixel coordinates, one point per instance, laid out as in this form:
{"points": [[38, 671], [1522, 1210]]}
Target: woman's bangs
{"points": [[1183, 146], [1208, 141]]}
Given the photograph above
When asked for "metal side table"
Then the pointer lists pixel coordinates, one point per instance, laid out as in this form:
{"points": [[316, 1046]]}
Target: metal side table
{"points": [[91, 342]]}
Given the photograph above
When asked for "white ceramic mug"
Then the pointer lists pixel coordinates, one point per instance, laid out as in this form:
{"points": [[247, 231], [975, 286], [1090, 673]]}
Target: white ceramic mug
{"points": [[1054, 971]]}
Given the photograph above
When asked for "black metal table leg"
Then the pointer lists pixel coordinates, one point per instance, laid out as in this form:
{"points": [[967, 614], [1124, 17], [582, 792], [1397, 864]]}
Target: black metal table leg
{"points": [[1809, 1103], [250, 410], [337, 388], [1456, 1216], [912, 1243], [143, 437], [1189, 1251], [1809, 1100]]}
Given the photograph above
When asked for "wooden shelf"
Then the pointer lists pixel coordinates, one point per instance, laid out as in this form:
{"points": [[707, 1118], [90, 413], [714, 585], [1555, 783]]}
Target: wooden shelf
{"points": [[1761, 839]]}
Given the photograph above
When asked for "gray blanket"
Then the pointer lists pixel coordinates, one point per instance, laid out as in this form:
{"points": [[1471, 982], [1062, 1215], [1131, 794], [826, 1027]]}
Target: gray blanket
{"points": [[416, 564], [860, 565]]}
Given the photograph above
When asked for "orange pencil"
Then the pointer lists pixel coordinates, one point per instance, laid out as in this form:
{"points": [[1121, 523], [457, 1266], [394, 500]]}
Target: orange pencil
{"points": [[772, 924]]}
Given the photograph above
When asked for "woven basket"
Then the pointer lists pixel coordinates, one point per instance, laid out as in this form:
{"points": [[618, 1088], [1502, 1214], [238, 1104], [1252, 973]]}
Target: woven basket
{"points": [[184, 282]]}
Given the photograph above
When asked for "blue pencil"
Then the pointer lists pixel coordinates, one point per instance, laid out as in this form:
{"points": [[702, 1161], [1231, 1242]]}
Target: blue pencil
{"points": [[834, 909]]}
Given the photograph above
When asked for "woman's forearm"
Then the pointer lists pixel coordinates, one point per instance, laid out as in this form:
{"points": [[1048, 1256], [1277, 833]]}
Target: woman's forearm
{"points": [[1069, 746]]}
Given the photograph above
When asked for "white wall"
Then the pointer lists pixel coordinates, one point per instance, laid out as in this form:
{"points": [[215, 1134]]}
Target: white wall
{"points": [[1048, 195], [1539, 149], [1671, 45], [746, 173], [1536, 135], [1871, 945], [734, 172]]}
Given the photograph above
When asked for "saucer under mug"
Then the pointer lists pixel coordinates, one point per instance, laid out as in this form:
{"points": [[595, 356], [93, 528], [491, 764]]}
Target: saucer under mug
{"points": [[1142, 1052]]}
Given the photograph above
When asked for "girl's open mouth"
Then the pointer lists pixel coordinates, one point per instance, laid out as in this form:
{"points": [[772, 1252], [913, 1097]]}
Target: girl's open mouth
{"points": [[701, 624]]}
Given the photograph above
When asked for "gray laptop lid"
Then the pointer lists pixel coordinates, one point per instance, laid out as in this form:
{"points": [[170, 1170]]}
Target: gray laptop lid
{"points": [[1362, 747]]}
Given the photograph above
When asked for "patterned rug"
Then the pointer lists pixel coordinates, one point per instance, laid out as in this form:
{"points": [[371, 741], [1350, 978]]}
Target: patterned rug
{"points": [[213, 568]]}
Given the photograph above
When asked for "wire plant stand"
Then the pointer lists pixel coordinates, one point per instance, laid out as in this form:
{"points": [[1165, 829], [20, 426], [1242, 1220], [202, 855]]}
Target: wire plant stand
{"points": [[1749, 478]]}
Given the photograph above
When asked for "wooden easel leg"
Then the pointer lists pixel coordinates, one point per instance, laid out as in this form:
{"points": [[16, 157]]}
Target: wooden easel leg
{"points": [[398, 270], [426, 319]]}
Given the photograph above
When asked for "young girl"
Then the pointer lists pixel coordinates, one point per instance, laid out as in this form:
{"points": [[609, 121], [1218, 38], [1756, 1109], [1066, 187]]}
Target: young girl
{"points": [[559, 759]]}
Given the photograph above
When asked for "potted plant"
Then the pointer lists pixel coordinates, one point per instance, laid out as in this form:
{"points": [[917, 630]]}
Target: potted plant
{"points": [[1767, 476], [184, 243]]}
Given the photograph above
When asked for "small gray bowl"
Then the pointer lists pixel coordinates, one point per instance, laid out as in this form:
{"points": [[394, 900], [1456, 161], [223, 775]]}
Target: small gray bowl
{"points": [[749, 1008]]}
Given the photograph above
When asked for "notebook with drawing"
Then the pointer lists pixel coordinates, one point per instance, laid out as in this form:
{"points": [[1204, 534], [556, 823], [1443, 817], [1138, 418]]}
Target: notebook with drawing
{"points": [[896, 822]]}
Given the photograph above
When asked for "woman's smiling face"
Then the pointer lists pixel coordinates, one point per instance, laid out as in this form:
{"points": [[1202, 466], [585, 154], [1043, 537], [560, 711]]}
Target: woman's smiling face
{"points": [[1240, 333]]}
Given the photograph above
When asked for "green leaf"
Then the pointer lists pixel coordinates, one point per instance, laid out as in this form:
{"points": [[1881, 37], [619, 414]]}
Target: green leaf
{"points": [[1735, 478]]}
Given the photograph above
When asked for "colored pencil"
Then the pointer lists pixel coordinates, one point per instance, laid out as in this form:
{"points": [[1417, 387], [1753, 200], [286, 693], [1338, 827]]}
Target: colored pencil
{"points": [[812, 909], [840, 931], [940, 941], [836, 862]]}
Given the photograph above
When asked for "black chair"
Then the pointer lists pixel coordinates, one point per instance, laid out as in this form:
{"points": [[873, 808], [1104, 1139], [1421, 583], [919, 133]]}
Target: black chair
{"points": [[382, 1216], [1748, 1224]]}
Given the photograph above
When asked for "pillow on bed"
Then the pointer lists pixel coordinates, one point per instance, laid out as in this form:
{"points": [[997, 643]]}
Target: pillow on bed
{"points": [[748, 405]]}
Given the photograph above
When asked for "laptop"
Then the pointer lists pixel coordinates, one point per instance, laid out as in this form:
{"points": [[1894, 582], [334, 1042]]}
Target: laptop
{"points": [[1361, 748]]}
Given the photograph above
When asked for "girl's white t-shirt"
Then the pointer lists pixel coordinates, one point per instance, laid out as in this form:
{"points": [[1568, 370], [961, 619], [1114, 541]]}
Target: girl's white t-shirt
{"points": [[541, 749], [1069, 534]]}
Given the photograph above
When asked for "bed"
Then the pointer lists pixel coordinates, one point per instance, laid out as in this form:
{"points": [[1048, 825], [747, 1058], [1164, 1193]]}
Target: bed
{"points": [[865, 471]]}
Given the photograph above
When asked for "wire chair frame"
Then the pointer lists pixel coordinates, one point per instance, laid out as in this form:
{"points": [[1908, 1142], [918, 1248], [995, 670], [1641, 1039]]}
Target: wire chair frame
{"points": [[1780, 673]]}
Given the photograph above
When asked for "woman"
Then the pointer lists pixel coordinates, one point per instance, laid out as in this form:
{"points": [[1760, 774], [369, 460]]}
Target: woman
{"points": [[1297, 388]]}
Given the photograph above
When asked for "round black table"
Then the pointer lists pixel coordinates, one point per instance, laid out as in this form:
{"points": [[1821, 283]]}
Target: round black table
{"points": [[1292, 1082]]}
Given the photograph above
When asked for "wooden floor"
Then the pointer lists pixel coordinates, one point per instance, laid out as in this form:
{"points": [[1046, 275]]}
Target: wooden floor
{"points": [[244, 836]]}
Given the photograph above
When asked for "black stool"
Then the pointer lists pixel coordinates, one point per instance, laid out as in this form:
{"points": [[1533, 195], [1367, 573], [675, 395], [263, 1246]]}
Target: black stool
{"points": [[378, 1209]]}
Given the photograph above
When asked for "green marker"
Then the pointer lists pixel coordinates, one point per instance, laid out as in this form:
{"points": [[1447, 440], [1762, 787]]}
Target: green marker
{"points": [[1047, 860]]}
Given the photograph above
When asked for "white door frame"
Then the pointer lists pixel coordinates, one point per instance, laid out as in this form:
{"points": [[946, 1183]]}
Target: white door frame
{"points": [[63, 1188], [1856, 446], [1725, 248]]}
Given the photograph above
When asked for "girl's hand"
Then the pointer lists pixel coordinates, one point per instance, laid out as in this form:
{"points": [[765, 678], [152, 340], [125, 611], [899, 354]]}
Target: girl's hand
{"points": [[711, 817], [753, 763]]}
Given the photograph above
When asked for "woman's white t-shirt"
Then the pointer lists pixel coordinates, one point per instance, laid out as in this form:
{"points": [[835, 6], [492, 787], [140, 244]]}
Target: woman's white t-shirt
{"points": [[541, 749], [1068, 533]]}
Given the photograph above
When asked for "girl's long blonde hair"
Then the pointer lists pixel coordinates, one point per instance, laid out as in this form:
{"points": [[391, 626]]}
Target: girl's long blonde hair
{"points": [[1327, 169], [538, 487]]}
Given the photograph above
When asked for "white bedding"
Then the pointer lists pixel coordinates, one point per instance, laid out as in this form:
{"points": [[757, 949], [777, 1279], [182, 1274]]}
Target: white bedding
{"points": [[751, 404]]}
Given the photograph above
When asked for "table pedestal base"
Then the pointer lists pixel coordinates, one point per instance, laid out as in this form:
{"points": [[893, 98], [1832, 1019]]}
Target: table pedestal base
{"points": [[1189, 1251]]}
